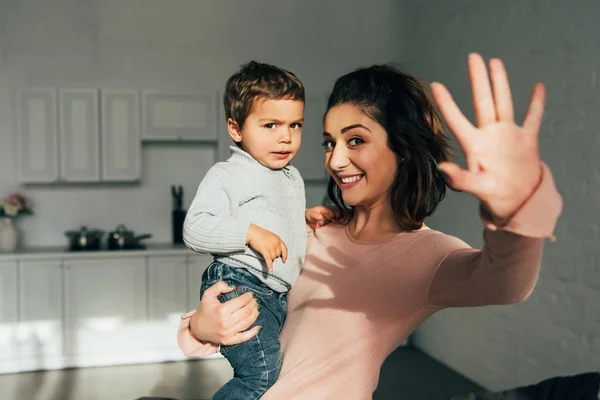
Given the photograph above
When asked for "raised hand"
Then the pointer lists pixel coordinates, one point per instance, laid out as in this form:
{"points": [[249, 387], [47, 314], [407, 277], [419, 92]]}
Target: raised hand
{"points": [[503, 161]]}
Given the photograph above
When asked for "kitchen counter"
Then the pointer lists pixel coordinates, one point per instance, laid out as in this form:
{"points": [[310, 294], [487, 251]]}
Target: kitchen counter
{"points": [[63, 253]]}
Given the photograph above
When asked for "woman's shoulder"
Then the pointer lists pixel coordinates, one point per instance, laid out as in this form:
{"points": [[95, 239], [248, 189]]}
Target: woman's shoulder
{"points": [[428, 241]]}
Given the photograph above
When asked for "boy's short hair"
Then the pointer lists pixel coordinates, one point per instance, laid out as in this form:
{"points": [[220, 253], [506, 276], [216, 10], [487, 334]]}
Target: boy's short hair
{"points": [[256, 81]]}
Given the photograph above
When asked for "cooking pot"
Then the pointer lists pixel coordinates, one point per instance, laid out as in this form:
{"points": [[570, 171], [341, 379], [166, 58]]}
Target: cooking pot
{"points": [[85, 239], [123, 239]]}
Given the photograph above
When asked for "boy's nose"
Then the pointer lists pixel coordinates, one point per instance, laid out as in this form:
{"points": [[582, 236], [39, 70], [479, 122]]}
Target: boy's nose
{"points": [[285, 137]]}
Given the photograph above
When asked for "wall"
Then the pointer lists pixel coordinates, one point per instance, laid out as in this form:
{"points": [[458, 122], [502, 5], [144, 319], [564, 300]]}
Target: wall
{"points": [[557, 330], [170, 45]]}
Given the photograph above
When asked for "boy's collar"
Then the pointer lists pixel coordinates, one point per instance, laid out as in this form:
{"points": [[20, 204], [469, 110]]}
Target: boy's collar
{"points": [[239, 155]]}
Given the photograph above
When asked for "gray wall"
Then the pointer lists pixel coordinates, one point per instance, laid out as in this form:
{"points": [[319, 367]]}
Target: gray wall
{"points": [[557, 330], [158, 44]]}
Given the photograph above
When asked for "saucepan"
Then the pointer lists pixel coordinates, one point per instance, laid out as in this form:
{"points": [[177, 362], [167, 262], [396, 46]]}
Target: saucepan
{"points": [[85, 239], [124, 239]]}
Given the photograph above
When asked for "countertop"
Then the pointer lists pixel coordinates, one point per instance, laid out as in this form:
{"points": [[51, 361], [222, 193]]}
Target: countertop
{"points": [[62, 252]]}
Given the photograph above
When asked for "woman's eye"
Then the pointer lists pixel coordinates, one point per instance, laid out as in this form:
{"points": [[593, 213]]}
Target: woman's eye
{"points": [[355, 141]]}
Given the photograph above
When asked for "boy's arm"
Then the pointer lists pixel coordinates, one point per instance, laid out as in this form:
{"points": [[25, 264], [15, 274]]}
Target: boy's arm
{"points": [[210, 225]]}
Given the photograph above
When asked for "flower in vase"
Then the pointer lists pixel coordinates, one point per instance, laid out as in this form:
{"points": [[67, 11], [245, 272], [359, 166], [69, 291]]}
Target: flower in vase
{"points": [[15, 204]]}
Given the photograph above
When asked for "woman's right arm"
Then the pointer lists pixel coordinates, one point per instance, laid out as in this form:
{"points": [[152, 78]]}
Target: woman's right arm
{"points": [[213, 323]]}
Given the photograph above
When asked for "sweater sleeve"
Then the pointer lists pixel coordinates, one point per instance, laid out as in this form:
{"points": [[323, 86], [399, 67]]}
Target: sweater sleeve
{"points": [[505, 271], [211, 226]]}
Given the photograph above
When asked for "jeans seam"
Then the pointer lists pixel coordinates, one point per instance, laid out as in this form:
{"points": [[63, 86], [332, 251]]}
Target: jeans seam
{"points": [[262, 350]]}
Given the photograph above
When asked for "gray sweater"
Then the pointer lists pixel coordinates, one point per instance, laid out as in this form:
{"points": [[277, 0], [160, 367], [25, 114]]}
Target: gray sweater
{"points": [[240, 192]]}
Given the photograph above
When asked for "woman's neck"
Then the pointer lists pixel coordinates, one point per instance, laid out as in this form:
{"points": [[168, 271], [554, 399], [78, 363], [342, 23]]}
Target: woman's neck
{"points": [[374, 223]]}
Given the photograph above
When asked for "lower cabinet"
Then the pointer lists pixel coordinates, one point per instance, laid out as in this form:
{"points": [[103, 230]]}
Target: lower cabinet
{"points": [[105, 310], [9, 354], [93, 312], [40, 328]]}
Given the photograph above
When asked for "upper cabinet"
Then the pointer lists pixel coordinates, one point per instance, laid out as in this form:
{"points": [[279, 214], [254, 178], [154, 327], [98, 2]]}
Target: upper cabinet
{"points": [[310, 157], [179, 116], [37, 135], [79, 135], [121, 146]]}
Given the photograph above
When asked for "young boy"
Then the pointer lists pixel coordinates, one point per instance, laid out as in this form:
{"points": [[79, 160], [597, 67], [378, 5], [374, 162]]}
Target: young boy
{"points": [[249, 212]]}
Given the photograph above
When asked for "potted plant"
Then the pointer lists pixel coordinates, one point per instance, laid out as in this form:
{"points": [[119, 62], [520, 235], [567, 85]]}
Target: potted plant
{"points": [[12, 206]]}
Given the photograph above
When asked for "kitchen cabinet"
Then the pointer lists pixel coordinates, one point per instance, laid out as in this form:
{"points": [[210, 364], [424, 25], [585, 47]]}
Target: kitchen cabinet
{"points": [[94, 309], [40, 333], [179, 116], [310, 157], [121, 144], [105, 310], [37, 135], [8, 316], [167, 300], [79, 135]]}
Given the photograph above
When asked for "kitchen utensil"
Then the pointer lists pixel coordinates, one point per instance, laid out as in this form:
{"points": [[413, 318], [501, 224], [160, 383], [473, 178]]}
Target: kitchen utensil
{"points": [[85, 239], [177, 193], [124, 239], [178, 214], [177, 219]]}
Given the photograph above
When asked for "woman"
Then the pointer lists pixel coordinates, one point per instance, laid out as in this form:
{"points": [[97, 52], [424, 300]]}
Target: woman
{"points": [[371, 280]]}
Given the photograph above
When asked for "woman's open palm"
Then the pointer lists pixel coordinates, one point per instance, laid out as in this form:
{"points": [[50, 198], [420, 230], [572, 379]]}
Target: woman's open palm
{"points": [[503, 161]]}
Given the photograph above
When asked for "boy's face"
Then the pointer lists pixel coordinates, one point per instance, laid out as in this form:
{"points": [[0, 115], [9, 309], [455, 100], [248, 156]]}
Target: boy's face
{"points": [[272, 133]]}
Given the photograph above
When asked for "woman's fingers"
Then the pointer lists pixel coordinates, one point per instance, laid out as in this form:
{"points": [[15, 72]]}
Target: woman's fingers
{"points": [[533, 119], [246, 319], [502, 93], [463, 180], [481, 91], [215, 290], [236, 304], [242, 337], [460, 126]]}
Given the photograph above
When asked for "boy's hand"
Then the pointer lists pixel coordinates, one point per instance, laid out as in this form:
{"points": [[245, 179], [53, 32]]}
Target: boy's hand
{"points": [[267, 244], [318, 216]]}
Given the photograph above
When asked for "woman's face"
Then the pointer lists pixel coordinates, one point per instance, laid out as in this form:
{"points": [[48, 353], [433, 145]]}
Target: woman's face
{"points": [[357, 156]]}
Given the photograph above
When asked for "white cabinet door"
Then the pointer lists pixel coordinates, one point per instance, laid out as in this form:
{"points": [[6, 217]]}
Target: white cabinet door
{"points": [[310, 157], [105, 310], [179, 116], [9, 355], [79, 135], [197, 264], [37, 135], [167, 300], [40, 337], [121, 145]]}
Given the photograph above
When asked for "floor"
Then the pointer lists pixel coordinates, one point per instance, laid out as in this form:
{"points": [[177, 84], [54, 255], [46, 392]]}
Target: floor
{"points": [[407, 374]]}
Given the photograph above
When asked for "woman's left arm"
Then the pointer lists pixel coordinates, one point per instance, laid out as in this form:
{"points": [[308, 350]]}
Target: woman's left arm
{"points": [[505, 271], [519, 202]]}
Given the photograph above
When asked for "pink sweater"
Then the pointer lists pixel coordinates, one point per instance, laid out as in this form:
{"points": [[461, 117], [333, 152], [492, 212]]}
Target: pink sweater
{"points": [[355, 303]]}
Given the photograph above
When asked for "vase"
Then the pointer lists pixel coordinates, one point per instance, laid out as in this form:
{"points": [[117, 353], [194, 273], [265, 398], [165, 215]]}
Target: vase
{"points": [[9, 236]]}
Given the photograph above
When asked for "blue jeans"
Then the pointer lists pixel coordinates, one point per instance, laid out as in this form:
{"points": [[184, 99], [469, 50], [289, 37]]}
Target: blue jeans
{"points": [[256, 363]]}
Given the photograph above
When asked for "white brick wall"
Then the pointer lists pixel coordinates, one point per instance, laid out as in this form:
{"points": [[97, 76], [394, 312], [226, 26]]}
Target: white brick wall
{"points": [[557, 330]]}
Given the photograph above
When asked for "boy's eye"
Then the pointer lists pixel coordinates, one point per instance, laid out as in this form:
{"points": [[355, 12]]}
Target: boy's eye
{"points": [[297, 126], [328, 144], [270, 125]]}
